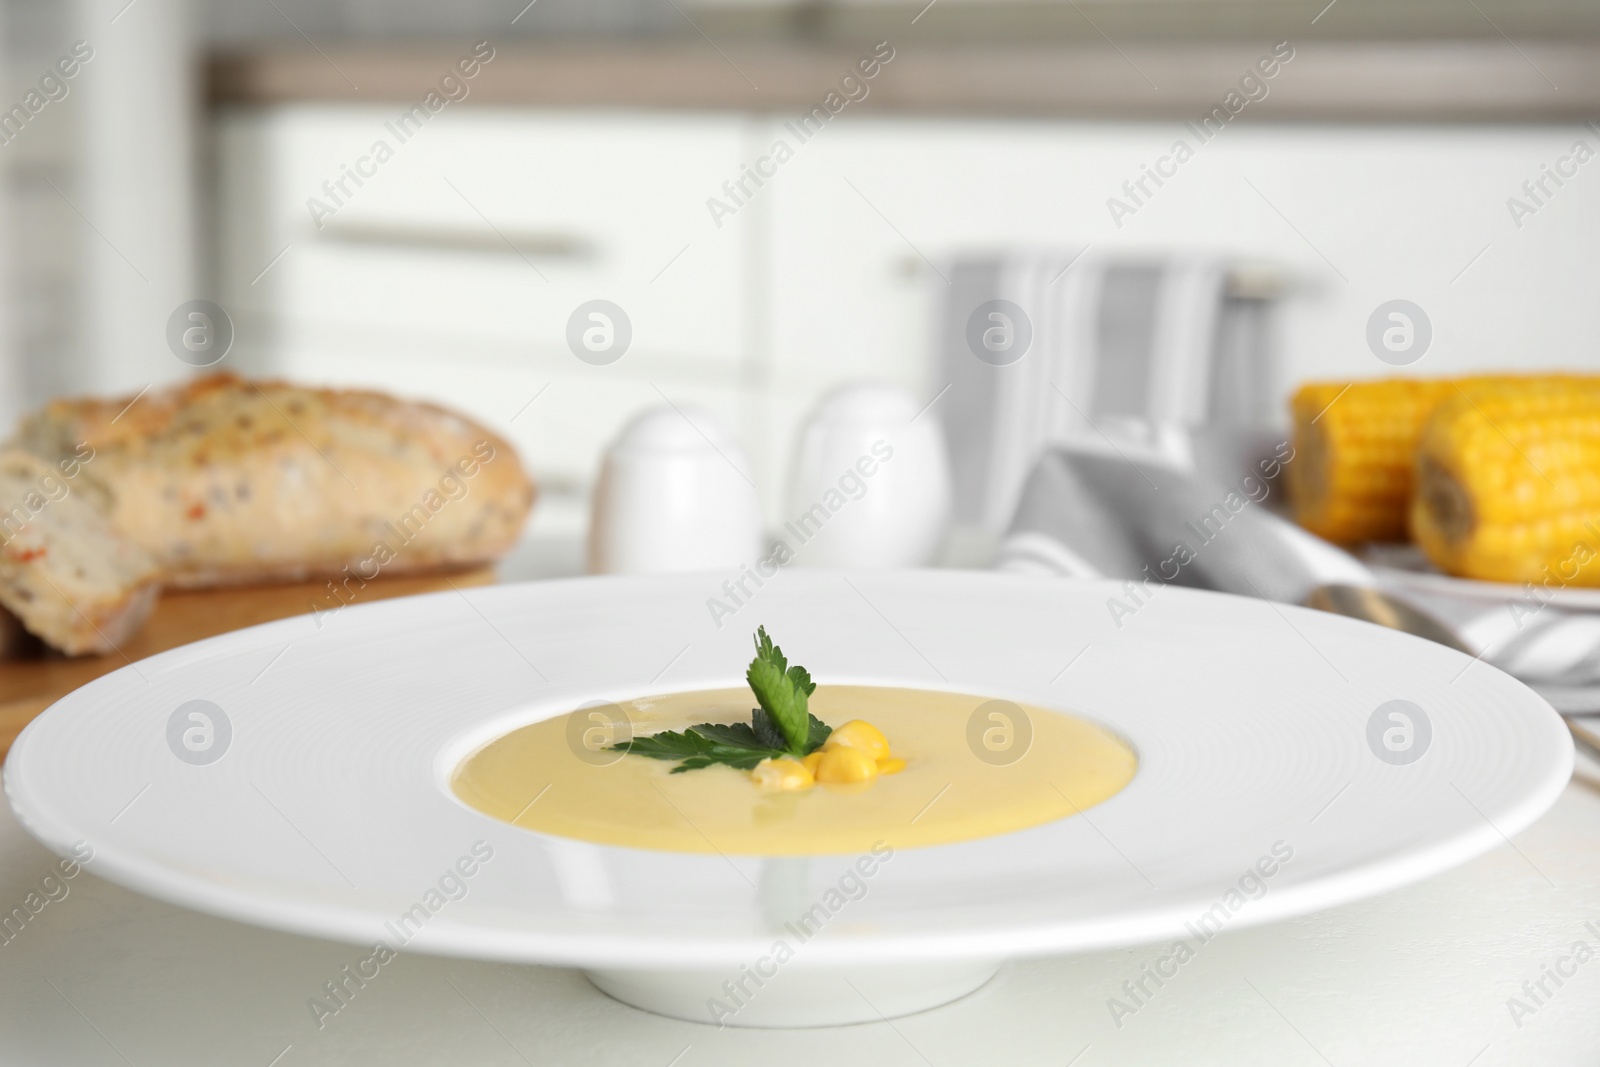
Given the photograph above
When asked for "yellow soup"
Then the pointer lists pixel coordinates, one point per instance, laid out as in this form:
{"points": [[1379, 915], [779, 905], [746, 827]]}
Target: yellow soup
{"points": [[974, 767]]}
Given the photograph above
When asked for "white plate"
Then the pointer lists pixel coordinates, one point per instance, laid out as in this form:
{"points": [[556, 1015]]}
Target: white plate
{"points": [[328, 813], [1405, 567]]}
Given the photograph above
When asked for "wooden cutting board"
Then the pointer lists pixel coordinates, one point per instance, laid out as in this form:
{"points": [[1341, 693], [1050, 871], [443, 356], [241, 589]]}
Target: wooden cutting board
{"points": [[35, 678]]}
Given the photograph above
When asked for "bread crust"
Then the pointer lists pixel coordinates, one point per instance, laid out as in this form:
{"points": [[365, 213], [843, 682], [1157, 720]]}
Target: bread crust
{"points": [[225, 480]]}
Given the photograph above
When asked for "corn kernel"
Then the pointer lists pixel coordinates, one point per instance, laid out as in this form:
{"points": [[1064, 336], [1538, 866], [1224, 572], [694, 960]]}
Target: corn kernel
{"points": [[782, 776], [860, 735], [811, 761], [843, 764], [891, 766]]}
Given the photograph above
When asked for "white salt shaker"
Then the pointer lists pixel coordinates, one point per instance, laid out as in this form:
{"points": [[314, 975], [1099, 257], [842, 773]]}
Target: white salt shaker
{"points": [[871, 482], [674, 494]]}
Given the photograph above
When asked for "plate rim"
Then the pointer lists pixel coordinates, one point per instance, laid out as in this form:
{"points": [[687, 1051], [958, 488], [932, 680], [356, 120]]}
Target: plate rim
{"points": [[585, 948]]}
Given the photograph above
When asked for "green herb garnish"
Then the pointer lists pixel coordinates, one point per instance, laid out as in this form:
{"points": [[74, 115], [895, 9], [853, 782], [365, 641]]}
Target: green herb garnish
{"points": [[781, 726]]}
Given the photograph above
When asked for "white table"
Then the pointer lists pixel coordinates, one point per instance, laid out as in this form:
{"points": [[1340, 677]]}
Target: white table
{"points": [[1417, 978]]}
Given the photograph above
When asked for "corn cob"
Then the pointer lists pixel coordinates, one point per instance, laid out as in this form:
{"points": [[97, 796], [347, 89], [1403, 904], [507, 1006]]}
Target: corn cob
{"points": [[1508, 485], [1355, 447], [1350, 479]]}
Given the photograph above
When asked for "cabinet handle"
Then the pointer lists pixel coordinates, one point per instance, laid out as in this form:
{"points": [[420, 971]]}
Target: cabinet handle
{"points": [[543, 243]]}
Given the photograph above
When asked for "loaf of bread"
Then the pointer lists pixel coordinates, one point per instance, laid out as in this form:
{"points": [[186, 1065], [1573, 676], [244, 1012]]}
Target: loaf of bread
{"points": [[225, 480], [65, 573]]}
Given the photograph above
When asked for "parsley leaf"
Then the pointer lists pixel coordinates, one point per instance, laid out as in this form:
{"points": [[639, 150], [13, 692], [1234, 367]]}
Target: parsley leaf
{"points": [[781, 726], [818, 734], [703, 745], [762, 726], [781, 691]]}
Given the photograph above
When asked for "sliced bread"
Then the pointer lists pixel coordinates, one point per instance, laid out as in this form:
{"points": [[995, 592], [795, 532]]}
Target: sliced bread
{"points": [[66, 574]]}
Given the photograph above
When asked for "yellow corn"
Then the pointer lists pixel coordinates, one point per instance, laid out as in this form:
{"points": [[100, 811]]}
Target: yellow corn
{"points": [[1351, 476], [782, 776], [858, 734], [1509, 485], [840, 766]]}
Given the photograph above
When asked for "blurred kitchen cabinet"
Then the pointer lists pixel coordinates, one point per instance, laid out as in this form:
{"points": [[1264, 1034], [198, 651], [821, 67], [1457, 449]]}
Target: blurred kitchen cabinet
{"points": [[452, 267], [865, 221], [447, 261], [869, 211]]}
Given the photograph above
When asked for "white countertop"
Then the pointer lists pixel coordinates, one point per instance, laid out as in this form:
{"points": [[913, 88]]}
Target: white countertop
{"points": [[1417, 977]]}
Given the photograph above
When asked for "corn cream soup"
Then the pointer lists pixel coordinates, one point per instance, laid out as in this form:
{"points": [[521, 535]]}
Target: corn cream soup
{"points": [[535, 778]]}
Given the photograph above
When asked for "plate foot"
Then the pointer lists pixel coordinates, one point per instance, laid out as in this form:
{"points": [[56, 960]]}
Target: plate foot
{"points": [[795, 997]]}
